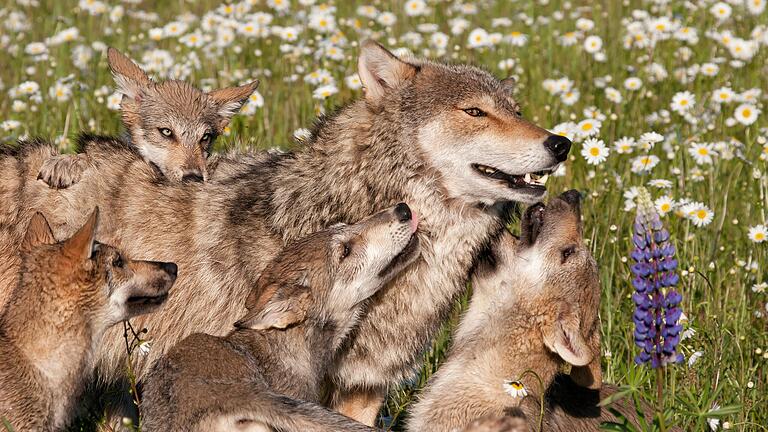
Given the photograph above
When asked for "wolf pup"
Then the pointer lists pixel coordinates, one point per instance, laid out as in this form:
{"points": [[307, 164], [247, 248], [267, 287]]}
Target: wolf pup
{"points": [[534, 307], [447, 139], [171, 123], [269, 371], [67, 295]]}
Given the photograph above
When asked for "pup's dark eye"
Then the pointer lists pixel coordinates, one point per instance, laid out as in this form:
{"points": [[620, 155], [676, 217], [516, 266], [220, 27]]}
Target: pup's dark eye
{"points": [[345, 250], [166, 132], [117, 261], [567, 252], [518, 112], [475, 112]]}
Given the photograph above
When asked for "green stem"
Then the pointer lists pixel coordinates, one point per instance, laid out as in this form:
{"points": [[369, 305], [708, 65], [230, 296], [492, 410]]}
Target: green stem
{"points": [[541, 395], [660, 396]]}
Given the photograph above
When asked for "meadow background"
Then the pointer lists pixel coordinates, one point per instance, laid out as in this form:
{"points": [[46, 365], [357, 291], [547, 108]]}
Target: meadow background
{"points": [[663, 94]]}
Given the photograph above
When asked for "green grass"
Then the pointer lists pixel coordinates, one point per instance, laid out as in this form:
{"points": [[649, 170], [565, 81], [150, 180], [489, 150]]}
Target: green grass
{"points": [[721, 263]]}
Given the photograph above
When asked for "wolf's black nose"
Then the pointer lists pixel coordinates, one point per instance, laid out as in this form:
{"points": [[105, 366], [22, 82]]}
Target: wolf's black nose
{"points": [[559, 146], [403, 212], [192, 176], [170, 268]]}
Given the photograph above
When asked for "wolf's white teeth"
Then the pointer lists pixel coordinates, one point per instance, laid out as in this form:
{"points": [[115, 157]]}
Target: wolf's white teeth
{"points": [[527, 178], [544, 178]]}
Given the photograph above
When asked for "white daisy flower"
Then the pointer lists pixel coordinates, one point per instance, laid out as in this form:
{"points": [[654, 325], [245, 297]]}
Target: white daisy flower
{"points": [[645, 163], [682, 102], [588, 127], [694, 358], [478, 38], [415, 7], [746, 114], [664, 204], [723, 95], [593, 44], [713, 422], [699, 214], [324, 92], [660, 183], [633, 83], [721, 11], [761, 287], [758, 233], [516, 389], [624, 145], [594, 151], [702, 153], [353, 82]]}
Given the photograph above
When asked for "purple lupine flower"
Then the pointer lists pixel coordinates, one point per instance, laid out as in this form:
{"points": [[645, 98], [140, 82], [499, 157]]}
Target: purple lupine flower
{"points": [[657, 304]]}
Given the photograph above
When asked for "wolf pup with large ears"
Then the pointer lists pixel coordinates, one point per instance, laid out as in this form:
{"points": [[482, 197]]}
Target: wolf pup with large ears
{"points": [[171, 123]]}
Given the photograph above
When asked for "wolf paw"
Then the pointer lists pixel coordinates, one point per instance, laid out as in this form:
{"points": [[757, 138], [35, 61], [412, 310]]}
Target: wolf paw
{"points": [[62, 171]]}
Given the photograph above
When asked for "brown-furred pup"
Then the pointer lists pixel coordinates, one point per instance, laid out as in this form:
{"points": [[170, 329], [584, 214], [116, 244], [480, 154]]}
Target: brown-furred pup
{"points": [[67, 294], [269, 371]]}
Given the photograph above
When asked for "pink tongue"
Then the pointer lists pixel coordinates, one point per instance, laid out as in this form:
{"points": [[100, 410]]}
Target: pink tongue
{"points": [[414, 221]]}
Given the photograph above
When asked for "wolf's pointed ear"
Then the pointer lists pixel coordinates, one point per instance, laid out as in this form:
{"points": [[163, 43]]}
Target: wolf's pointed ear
{"points": [[509, 84], [380, 70], [564, 338], [38, 233], [591, 375], [80, 246], [131, 80], [228, 101], [277, 307]]}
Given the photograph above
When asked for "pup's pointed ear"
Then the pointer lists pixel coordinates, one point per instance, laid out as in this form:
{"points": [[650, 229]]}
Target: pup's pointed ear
{"points": [[80, 246], [564, 338], [38, 233], [131, 80], [276, 308], [591, 375], [228, 101], [380, 70]]}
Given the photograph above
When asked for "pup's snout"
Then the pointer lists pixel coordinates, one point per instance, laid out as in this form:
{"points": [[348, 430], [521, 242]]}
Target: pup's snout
{"points": [[171, 268], [403, 212], [190, 176], [572, 197], [559, 146]]}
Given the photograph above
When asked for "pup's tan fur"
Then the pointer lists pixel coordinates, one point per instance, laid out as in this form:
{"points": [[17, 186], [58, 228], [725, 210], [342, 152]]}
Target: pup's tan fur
{"points": [[269, 371], [171, 123], [66, 296], [534, 307]]}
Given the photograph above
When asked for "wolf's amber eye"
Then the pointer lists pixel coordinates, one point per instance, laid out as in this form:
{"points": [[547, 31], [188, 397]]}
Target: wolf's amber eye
{"points": [[166, 132], [475, 112], [567, 252]]}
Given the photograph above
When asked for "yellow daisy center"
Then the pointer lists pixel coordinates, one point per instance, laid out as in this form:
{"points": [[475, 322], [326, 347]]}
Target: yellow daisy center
{"points": [[586, 126], [746, 112], [701, 214], [759, 236], [665, 207], [703, 151], [594, 151]]}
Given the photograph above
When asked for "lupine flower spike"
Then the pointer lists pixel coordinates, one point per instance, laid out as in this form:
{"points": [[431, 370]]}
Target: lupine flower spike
{"points": [[657, 312]]}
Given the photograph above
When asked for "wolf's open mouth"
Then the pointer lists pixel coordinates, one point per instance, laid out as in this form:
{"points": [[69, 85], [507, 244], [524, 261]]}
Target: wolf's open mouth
{"points": [[403, 257], [535, 180], [147, 300]]}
